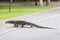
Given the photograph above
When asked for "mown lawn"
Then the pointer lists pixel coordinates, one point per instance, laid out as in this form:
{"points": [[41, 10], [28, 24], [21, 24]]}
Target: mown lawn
{"points": [[20, 11]]}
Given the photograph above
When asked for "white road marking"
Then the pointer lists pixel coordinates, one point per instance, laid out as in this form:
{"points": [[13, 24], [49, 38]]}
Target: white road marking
{"points": [[48, 17], [8, 31]]}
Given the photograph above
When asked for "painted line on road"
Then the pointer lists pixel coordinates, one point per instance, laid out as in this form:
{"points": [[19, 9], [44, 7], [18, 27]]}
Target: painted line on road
{"points": [[8, 31], [48, 17]]}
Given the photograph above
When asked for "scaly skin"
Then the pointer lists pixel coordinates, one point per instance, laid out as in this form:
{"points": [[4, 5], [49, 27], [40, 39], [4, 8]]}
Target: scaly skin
{"points": [[22, 23]]}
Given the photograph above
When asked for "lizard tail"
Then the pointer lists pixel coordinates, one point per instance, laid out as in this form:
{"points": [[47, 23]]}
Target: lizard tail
{"points": [[43, 27]]}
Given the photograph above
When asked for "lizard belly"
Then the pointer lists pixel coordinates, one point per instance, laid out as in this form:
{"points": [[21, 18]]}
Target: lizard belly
{"points": [[27, 26]]}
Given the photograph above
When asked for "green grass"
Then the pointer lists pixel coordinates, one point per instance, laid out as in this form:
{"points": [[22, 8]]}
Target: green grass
{"points": [[20, 11]]}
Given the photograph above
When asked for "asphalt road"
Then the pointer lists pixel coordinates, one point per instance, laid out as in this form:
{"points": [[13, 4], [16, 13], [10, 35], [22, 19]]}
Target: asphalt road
{"points": [[46, 19]]}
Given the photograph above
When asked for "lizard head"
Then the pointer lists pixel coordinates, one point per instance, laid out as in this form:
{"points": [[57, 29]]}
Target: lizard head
{"points": [[11, 22]]}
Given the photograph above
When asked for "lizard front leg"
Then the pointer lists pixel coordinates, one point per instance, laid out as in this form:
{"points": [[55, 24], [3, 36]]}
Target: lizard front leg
{"points": [[15, 25], [31, 26], [22, 25]]}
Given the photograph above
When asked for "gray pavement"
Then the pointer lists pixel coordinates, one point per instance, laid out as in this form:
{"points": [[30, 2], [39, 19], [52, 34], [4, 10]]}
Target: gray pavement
{"points": [[46, 19]]}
